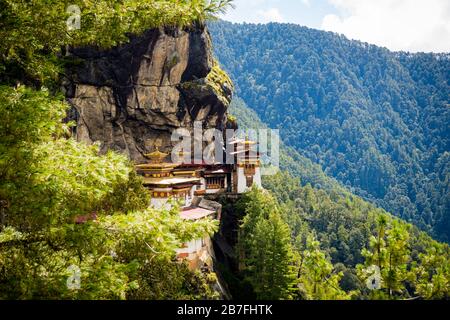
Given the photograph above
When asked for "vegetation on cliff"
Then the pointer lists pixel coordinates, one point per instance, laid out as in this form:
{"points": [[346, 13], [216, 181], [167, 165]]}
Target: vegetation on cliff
{"points": [[33, 32], [220, 82]]}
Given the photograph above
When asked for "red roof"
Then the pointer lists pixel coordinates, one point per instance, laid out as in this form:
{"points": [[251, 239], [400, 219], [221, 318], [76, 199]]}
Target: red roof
{"points": [[196, 213]]}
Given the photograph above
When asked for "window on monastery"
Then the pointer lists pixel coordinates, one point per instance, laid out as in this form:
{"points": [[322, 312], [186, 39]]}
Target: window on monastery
{"points": [[249, 181], [215, 183]]}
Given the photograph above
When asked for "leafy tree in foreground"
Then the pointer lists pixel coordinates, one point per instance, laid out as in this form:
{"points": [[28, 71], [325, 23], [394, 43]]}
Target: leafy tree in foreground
{"points": [[75, 224], [428, 277], [63, 205], [33, 32]]}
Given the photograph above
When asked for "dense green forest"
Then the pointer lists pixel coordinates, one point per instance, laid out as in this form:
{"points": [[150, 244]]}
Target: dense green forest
{"points": [[345, 237], [335, 235], [65, 210], [290, 160], [375, 120]]}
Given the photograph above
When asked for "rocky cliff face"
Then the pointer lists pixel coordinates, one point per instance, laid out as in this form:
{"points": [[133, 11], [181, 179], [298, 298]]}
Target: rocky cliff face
{"points": [[131, 96]]}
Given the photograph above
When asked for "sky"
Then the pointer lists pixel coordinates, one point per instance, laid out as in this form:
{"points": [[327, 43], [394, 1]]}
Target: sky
{"points": [[407, 25]]}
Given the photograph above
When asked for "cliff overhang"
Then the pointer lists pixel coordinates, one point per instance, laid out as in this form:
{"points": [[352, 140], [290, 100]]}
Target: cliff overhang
{"points": [[129, 97]]}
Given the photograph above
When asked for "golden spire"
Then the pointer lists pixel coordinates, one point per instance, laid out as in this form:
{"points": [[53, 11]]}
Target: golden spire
{"points": [[157, 157]]}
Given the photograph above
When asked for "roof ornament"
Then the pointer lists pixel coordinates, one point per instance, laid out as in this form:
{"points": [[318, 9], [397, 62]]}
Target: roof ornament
{"points": [[157, 157]]}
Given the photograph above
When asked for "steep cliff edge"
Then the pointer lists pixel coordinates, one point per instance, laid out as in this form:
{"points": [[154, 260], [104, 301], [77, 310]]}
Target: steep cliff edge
{"points": [[130, 96]]}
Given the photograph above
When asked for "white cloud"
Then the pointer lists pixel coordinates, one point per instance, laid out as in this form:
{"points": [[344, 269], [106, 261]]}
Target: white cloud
{"points": [[410, 25], [256, 11], [270, 15], [307, 3]]}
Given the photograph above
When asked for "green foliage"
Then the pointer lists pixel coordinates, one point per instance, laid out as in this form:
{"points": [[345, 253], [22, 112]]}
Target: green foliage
{"points": [[343, 224], [175, 282], [375, 120], [63, 206], [231, 118], [112, 253], [48, 180], [357, 236], [33, 32], [388, 250], [220, 82], [433, 273], [290, 160], [279, 263], [317, 280], [266, 255]]}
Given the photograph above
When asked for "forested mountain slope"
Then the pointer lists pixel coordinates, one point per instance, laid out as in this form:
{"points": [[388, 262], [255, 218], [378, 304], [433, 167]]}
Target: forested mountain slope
{"points": [[334, 235], [290, 160], [375, 120]]}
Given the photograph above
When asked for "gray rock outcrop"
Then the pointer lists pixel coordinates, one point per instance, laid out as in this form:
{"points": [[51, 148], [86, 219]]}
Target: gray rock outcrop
{"points": [[133, 95]]}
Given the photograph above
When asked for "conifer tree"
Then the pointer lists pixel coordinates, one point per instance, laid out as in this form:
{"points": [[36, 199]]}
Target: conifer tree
{"points": [[265, 247], [432, 273], [317, 280], [389, 252]]}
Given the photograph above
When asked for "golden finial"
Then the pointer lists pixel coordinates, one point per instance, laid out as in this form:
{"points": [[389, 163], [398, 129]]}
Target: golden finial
{"points": [[157, 157]]}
